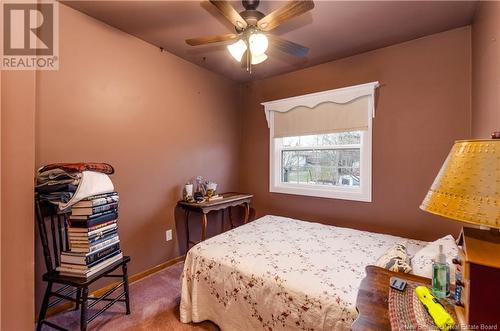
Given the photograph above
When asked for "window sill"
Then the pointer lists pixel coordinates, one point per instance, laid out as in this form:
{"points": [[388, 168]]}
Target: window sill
{"points": [[354, 194]]}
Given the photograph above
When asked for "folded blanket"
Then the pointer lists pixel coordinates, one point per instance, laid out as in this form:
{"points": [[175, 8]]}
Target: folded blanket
{"points": [[64, 187], [81, 166], [91, 183], [56, 197], [58, 175]]}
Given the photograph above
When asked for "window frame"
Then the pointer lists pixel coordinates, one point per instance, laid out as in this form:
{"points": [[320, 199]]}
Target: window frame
{"points": [[339, 96], [362, 193]]}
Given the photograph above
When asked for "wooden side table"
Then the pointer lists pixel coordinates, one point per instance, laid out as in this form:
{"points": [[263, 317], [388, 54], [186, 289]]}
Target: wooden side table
{"points": [[229, 200], [373, 298]]}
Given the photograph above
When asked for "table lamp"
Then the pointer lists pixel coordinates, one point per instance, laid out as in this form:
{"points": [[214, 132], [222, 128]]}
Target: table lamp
{"points": [[467, 189]]}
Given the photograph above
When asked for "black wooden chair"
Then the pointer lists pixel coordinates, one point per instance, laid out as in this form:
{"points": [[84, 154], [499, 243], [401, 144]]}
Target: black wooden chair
{"points": [[52, 228]]}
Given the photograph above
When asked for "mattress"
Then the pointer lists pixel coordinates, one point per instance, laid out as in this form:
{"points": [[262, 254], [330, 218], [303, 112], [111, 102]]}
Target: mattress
{"points": [[278, 273]]}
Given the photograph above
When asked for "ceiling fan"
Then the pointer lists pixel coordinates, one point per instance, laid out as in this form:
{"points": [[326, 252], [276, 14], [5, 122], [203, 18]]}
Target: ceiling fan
{"points": [[252, 29]]}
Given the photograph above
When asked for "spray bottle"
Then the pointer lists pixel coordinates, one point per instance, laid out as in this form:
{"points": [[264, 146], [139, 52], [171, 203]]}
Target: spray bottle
{"points": [[440, 275]]}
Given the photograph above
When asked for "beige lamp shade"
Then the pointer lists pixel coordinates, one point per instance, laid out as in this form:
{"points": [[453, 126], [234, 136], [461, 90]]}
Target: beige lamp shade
{"points": [[467, 188]]}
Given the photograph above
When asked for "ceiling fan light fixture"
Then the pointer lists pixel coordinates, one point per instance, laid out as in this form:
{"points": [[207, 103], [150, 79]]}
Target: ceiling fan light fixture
{"points": [[237, 49], [252, 28], [258, 43], [256, 59]]}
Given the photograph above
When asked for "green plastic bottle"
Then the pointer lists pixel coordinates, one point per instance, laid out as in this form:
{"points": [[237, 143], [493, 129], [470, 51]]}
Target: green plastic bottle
{"points": [[440, 276]]}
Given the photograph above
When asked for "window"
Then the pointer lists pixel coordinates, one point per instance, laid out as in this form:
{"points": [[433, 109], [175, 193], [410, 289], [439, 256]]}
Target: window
{"points": [[324, 150], [334, 165], [326, 159]]}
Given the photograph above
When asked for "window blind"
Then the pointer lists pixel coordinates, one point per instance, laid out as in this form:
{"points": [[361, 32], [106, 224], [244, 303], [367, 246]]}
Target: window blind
{"points": [[326, 117]]}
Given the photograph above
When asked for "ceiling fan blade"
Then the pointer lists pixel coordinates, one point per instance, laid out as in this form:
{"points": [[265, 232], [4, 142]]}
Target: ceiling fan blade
{"points": [[285, 13], [288, 46], [211, 39], [230, 13]]}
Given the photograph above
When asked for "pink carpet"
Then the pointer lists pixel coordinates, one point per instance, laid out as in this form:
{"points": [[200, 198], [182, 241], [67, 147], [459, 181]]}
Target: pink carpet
{"points": [[154, 303]]}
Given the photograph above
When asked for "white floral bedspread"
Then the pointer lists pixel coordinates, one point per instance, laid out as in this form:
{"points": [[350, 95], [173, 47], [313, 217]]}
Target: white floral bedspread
{"points": [[278, 273]]}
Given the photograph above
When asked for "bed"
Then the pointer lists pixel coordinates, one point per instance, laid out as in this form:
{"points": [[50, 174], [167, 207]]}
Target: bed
{"points": [[278, 273]]}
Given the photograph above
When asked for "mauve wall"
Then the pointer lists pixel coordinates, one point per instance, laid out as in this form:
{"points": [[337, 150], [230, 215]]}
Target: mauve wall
{"points": [[157, 119], [17, 227], [486, 69], [422, 107]]}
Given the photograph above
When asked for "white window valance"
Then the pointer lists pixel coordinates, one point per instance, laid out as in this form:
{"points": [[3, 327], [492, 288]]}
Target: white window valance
{"points": [[327, 117], [343, 109]]}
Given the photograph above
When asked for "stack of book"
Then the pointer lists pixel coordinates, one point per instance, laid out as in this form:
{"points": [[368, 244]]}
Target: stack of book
{"points": [[93, 236]]}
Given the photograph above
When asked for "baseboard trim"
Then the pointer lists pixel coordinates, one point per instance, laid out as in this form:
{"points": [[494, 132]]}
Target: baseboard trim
{"points": [[132, 279]]}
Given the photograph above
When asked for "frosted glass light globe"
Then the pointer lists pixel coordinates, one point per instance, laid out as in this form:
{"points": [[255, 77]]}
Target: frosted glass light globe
{"points": [[258, 44], [256, 59], [237, 49]]}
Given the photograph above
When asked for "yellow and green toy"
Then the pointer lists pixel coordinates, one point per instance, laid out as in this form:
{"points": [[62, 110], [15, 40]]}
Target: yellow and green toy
{"points": [[441, 318]]}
